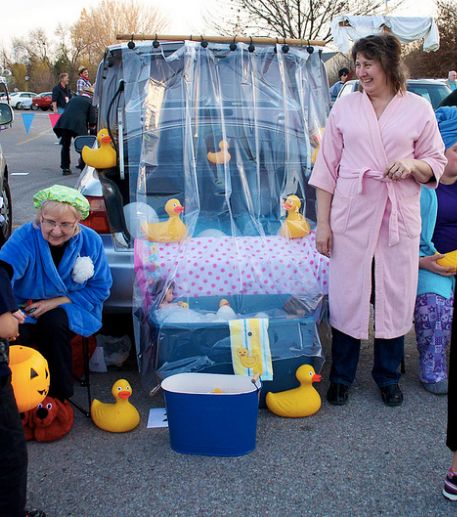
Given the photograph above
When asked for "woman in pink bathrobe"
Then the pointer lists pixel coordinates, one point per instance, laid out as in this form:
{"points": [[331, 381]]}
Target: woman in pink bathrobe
{"points": [[379, 146]]}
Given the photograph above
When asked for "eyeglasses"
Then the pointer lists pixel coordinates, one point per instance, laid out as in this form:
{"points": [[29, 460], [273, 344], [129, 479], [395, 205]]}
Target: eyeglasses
{"points": [[65, 227]]}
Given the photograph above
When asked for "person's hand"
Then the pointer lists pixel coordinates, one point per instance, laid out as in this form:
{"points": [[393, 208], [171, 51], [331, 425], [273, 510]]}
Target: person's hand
{"points": [[430, 263], [20, 316], [37, 309], [324, 239], [399, 169]]}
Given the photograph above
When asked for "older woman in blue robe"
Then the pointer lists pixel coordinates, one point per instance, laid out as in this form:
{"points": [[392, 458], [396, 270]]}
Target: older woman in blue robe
{"points": [[61, 278]]}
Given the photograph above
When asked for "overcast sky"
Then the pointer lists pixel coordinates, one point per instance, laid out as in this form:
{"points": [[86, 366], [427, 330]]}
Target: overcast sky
{"points": [[185, 16]]}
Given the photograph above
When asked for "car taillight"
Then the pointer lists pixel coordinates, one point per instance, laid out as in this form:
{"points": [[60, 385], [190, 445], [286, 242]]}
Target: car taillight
{"points": [[97, 219]]}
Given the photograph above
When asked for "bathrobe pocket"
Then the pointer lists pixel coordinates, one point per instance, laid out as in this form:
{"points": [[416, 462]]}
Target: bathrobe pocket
{"points": [[340, 212], [410, 214]]}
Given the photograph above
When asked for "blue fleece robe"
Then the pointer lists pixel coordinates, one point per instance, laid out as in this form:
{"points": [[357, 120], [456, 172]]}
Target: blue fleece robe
{"points": [[36, 277], [431, 282]]}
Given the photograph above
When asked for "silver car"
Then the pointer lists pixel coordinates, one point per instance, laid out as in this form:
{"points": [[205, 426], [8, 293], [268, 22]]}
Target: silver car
{"points": [[6, 118]]}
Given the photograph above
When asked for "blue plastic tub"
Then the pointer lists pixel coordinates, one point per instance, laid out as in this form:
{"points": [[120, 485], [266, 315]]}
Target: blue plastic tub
{"points": [[221, 423]]}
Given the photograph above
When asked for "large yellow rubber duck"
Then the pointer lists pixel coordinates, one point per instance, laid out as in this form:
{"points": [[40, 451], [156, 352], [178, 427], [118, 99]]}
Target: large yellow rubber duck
{"points": [[173, 230], [295, 226], [298, 402], [449, 260], [104, 157], [119, 417]]}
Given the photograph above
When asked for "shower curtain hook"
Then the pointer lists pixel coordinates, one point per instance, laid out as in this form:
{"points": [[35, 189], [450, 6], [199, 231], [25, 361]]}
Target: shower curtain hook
{"points": [[156, 42], [131, 43], [203, 42], [251, 47], [233, 45]]}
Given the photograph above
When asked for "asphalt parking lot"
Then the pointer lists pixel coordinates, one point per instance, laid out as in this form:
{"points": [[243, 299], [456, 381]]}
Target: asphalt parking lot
{"points": [[359, 460]]}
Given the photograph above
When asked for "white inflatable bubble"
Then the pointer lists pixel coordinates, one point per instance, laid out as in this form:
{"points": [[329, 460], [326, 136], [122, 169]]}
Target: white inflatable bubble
{"points": [[211, 232], [136, 214]]}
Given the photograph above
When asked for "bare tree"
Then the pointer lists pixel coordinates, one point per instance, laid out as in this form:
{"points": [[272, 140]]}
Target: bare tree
{"points": [[97, 27], [420, 63], [298, 19]]}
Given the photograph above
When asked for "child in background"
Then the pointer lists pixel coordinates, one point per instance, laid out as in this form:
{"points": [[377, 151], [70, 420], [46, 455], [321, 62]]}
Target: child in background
{"points": [[13, 452]]}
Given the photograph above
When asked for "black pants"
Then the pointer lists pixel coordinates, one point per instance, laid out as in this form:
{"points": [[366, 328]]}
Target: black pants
{"points": [[13, 455], [451, 441], [65, 142], [51, 336]]}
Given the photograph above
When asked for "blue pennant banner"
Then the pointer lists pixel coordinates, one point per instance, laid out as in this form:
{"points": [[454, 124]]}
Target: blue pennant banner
{"points": [[27, 119]]}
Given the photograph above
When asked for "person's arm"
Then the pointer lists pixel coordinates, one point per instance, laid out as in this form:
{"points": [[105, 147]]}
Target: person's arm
{"points": [[54, 100], [323, 230], [9, 325], [401, 169], [40, 307]]}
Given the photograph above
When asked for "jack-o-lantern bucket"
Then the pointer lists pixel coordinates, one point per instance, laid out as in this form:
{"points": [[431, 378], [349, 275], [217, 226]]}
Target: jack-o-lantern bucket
{"points": [[30, 376]]}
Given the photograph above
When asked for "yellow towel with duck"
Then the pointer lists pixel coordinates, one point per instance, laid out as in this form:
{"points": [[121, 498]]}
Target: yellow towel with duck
{"points": [[250, 346]]}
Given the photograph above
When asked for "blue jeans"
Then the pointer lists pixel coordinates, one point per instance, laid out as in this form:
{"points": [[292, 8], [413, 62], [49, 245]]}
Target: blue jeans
{"points": [[388, 354]]}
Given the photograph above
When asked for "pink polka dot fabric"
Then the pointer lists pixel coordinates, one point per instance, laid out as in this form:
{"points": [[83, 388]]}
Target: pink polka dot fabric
{"points": [[222, 266]]}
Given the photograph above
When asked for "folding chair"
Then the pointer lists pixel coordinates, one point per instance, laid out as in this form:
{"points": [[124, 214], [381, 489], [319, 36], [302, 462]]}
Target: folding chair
{"points": [[84, 381]]}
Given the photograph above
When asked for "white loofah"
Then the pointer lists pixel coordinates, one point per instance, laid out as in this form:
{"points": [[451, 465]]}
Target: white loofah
{"points": [[82, 270]]}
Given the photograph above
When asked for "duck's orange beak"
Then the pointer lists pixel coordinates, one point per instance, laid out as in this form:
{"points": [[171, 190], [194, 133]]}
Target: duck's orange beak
{"points": [[105, 139], [124, 394], [287, 206], [179, 210], [316, 378]]}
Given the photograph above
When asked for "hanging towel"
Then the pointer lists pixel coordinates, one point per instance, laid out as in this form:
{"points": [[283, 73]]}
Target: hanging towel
{"points": [[250, 345]]}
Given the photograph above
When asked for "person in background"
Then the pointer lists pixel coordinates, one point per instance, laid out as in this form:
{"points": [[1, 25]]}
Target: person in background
{"points": [[343, 75], [452, 80], [79, 116], [434, 302], [450, 482], [378, 147], [61, 94], [83, 83]]}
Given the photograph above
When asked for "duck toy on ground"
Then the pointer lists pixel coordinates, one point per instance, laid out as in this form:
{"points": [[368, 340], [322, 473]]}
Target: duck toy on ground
{"points": [[172, 230], [295, 225], [104, 157], [298, 402], [225, 312], [119, 417]]}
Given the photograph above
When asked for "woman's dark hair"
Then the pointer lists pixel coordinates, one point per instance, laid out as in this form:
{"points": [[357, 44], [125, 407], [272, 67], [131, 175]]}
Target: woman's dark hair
{"points": [[386, 50]]}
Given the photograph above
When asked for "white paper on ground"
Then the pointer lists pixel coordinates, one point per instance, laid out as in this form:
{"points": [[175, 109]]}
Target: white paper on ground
{"points": [[157, 417]]}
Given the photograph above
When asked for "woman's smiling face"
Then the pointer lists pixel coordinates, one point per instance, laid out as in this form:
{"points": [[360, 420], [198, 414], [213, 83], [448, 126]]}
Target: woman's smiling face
{"points": [[371, 75], [58, 224]]}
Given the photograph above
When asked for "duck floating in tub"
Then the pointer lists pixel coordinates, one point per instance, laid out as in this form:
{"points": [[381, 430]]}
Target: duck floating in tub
{"points": [[295, 226]]}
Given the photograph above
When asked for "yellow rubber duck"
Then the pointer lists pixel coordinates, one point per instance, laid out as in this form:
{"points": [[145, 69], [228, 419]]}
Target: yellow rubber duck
{"points": [[104, 156], [119, 417], [173, 230], [298, 402], [295, 226], [220, 157], [449, 259]]}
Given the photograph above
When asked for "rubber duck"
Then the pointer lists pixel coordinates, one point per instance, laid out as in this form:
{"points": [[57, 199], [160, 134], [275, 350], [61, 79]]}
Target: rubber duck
{"points": [[298, 402], [119, 417], [222, 156], [225, 312], [449, 260], [173, 230], [295, 226], [104, 157]]}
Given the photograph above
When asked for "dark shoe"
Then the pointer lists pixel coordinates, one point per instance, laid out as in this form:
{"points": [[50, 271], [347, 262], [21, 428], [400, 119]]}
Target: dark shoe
{"points": [[450, 486], [66, 172], [392, 395], [337, 394]]}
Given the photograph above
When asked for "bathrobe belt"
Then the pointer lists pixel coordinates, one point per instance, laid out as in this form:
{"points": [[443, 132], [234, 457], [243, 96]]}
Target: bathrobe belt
{"points": [[394, 235]]}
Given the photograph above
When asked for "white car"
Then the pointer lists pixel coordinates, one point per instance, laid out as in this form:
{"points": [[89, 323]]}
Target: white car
{"points": [[22, 100]]}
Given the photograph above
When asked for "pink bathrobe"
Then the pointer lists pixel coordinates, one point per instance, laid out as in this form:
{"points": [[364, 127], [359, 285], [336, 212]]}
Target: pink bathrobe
{"points": [[372, 217]]}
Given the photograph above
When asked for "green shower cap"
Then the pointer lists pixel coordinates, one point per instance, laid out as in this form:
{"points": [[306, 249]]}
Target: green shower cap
{"points": [[63, 194]]}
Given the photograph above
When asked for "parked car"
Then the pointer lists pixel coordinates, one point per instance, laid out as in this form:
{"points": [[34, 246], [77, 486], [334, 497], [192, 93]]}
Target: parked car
{"points": [[6, 118], [21, 100], [433, 90], [42, 101], [274, 144]]}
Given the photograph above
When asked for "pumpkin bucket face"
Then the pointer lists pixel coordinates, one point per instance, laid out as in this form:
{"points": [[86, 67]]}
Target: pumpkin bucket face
{"points": [[30, 376]]}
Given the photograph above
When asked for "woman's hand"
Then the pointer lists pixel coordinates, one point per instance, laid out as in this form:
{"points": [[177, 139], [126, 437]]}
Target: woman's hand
{"points": [[399, 169], [20, 316], [430, 263], [324, 239], [37, 309]]}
